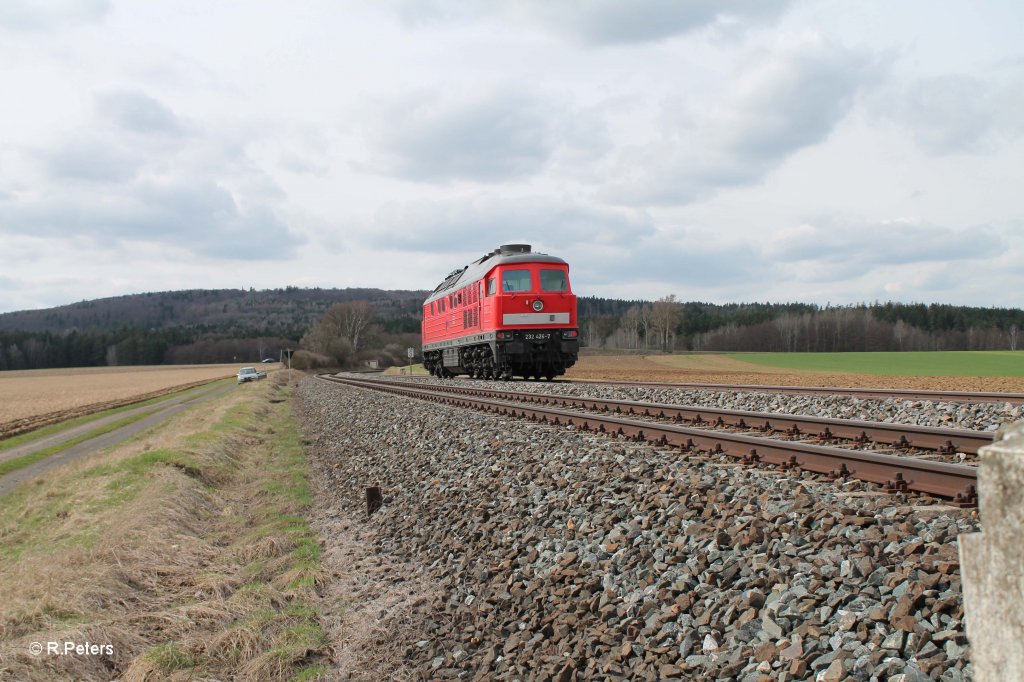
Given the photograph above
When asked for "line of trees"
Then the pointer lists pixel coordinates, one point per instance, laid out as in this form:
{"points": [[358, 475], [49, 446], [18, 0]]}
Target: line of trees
{"points": [[129, 346], [668, 324], [352, 332]]}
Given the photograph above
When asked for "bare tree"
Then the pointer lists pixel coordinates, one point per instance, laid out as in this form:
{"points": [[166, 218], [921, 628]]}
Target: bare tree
{"points": [[646, 322], [339, 331], [1013, 337], [629, 323], [666, 314]]}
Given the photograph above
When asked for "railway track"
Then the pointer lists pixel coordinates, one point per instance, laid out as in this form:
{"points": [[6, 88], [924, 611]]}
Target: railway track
{"points": [[941, 440], [896, 473], [878, 393]]}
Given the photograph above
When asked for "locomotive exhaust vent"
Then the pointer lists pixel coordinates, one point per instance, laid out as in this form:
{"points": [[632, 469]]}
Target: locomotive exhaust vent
{"points": [[514, 248]]}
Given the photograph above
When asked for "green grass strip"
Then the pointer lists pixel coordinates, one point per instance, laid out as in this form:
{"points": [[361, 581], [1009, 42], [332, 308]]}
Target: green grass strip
{"points": [[44, 431], [27, 460]]}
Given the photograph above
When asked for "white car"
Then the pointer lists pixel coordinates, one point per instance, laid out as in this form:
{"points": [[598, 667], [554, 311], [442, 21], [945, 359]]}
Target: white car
{"points": [[250, 374]]}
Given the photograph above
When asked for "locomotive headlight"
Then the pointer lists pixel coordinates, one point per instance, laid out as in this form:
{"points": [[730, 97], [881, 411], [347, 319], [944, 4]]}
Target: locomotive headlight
{"points": [[538, 306]]}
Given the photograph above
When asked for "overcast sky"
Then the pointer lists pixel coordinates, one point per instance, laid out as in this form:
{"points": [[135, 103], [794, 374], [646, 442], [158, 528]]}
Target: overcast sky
{"points": [[721, 150]]}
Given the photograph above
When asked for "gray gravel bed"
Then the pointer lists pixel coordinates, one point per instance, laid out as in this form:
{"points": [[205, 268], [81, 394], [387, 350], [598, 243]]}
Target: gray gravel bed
{"points": [[975, 416], [564, 555]]}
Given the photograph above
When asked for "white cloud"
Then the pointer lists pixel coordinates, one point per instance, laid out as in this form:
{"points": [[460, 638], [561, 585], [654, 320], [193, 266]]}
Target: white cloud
{"points": [[138, 112], [490, 135], [777, 104], [598, 22], [894, 242], [961, 113], [658, 146], [484, 222], [46, 15]]}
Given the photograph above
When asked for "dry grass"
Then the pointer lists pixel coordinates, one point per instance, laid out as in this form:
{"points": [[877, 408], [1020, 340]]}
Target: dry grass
{"points": [[720, 369], [188, 552], [36, 392], [376, 607]]}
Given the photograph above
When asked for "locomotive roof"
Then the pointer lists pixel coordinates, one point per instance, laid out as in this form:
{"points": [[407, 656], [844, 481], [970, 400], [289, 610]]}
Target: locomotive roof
{"points": [[478, 268]]}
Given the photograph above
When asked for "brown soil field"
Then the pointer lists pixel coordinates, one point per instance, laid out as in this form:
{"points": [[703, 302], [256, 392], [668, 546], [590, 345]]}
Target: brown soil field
{"points": [[719, 369], [34, 393]]}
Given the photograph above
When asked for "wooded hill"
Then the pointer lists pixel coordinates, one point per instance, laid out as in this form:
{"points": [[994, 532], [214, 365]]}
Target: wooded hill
{"points": [[229, 325], [185, 327]]}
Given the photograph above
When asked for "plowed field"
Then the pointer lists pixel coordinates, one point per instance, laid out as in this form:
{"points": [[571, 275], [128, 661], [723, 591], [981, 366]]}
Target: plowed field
{"points": [[46, 396], [722, 369]]}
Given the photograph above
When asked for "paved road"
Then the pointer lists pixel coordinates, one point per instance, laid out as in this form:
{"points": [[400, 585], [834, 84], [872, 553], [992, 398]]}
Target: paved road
{"points": [[157, 414]]}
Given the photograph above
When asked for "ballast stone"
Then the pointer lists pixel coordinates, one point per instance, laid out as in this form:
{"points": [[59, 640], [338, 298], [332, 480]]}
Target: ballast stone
{"points": [[491, 507]]}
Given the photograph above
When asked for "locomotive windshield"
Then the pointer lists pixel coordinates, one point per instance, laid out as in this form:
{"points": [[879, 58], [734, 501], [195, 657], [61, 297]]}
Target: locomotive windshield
{"points": [[515, 280], [553, 280]]}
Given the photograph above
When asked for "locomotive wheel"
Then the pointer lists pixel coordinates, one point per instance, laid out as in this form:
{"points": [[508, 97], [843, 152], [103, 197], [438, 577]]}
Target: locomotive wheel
{"points": [[549, 376]]}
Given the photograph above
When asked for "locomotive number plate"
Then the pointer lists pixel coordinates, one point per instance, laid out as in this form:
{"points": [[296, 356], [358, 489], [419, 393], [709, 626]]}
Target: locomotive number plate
{"points": [[535, 336]]}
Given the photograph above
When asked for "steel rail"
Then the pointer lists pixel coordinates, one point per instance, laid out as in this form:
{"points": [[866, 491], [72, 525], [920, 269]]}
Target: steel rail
{"points": [[941, 439], [955, 481], [883, 393]]}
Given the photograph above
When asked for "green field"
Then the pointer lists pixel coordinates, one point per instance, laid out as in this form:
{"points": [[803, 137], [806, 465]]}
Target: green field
{"points": [[937, 364]]}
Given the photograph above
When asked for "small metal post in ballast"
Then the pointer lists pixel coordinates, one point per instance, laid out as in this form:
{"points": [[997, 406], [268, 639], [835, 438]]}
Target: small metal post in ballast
{"points": [[374, 500]]}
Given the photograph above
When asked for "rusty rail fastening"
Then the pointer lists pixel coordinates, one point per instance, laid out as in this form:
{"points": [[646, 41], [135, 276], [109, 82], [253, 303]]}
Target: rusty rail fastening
{"points": [[940, 439], [897, 474]]}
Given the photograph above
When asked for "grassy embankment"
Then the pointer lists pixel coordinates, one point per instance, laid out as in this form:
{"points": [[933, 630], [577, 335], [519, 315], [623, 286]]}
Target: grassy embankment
{"points": [[16, 463], [922, 364], [187, 550]]}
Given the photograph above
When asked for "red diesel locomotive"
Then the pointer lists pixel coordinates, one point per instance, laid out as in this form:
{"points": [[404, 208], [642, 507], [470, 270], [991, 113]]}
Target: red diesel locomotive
{"points": [[510, 313]]}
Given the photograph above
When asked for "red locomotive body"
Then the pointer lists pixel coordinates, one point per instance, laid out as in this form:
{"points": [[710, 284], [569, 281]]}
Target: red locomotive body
{"points": [[510, 313]]}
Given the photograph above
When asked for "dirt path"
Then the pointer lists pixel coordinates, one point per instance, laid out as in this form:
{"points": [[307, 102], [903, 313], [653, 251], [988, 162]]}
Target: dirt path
{"points": [[159, 414]]}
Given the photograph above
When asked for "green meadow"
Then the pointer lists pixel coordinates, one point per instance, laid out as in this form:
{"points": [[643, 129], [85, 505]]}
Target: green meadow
{"points": [[921, 364]]}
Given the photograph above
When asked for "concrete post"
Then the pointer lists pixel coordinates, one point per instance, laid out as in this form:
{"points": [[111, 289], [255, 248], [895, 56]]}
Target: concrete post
{"points": [[992, 562]]}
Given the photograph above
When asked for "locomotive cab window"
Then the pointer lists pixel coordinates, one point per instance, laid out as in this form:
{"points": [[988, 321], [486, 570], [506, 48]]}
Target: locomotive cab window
{"points": [[492, 287], [513, 281], [553, 280]]}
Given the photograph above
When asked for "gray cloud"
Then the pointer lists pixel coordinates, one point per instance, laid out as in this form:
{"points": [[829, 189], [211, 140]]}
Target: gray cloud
{"points": [[609, 22], [598, 22], [484, 222], [848, 248], [91, 158], [959, 113], [778, 105], [197, 216], [486, 136], [129, 128], [31, 15], [137, 112], [679, 266]]}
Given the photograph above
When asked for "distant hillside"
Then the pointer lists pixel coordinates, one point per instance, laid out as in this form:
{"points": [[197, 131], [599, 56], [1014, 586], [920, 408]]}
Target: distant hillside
{"points": [[285, 312], [194, 326], [229, 325]]}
